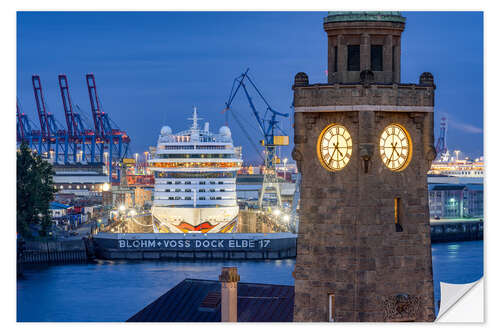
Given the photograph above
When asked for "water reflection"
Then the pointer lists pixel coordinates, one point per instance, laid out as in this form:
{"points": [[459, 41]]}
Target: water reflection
{"points": [[114, 290]]}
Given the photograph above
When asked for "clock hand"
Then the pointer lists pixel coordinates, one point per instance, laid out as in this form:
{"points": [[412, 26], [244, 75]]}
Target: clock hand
{"points": [[396, 150], [390, 158], [342, 155], [331, 157]]}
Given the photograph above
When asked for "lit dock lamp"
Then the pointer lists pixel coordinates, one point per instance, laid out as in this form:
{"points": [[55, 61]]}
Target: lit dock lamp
{"points": [[122, 209]]}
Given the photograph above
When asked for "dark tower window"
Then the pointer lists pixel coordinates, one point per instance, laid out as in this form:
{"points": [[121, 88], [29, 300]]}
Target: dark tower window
{"points": [[376, 56], [353, 61], [335, 66], [393, 59]]}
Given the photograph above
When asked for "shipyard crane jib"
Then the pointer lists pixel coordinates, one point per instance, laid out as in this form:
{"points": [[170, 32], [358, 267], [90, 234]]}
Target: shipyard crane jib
{"points": [[269, 128], [441, 146]]}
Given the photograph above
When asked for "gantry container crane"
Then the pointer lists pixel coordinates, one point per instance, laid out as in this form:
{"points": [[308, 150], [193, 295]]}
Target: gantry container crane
{"points": [[117, 139], [76, 143]]}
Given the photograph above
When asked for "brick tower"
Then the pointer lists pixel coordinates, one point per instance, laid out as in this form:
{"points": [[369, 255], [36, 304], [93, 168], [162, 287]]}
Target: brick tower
{"points": [[364, 144]]}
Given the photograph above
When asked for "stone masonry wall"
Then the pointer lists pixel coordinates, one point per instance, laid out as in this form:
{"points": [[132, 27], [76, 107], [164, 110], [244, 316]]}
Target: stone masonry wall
{"points": [[347, 242]]}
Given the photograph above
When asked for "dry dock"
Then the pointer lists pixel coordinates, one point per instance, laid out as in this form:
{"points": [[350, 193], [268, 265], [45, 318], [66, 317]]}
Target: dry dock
{"points": [[195, 246]]}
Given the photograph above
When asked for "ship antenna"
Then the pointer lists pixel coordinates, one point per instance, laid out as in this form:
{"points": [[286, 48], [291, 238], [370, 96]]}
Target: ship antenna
{"points": [[195, 118]]}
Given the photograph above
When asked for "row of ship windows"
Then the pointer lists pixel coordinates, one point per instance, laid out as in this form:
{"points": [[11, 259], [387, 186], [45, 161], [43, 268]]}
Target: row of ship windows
{"points": [[199, 198], [195, 155], [195, 164], [205, 175], [200, 190], [467, 172], [193, 147], [188, 182], [78, 187]]}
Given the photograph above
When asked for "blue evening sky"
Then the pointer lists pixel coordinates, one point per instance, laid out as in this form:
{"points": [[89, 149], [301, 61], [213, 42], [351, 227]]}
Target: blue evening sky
{"points": [[151, 68]]}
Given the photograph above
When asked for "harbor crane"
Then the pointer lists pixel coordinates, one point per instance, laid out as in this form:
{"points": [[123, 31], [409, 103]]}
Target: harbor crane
{"points": [[75, 142], [273, 135], [441, 146]]}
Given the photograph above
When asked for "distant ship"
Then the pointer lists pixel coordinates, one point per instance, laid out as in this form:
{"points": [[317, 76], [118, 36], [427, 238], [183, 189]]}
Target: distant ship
{"points": [[458, 168], [195, 180]]}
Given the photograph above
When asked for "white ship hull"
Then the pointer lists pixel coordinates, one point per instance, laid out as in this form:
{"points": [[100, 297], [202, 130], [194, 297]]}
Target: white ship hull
{"points": [[196, 220]]}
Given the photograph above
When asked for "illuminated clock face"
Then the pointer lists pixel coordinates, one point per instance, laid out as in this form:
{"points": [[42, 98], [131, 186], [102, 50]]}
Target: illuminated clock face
{"points": [[395, 147], [334, 147]]}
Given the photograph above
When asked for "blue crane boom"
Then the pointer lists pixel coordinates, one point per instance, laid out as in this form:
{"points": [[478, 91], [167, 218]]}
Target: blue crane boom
{"points": [[268, 126]]}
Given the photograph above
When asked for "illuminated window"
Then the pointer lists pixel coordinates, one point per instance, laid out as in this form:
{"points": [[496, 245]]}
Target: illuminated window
{"points": [[397, 209], [331, 307]]}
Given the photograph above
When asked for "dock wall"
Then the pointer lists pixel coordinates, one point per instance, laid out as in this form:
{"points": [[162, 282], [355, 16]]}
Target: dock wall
{"points": [[195, 246], [456, 231], [41, 252]]}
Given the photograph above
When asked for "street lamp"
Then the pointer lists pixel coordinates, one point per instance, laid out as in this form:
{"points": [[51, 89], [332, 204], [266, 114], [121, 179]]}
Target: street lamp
{"points": [[122, 208], [105, 187]]}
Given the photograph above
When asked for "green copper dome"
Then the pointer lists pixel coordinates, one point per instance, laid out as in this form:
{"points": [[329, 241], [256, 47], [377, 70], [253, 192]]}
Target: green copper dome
{"points": [[365, 16]]}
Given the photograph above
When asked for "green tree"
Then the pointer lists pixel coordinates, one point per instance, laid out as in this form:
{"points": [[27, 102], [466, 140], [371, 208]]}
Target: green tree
{"points": [[35, 191]]}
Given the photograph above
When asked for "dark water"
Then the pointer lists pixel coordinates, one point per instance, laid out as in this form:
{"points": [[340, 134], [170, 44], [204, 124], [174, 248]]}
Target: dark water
{"points": [[115, 290]]}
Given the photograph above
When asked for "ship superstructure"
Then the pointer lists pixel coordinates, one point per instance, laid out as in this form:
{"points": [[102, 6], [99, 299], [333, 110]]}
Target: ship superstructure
{"points": [[458, 168], [195, 180]]}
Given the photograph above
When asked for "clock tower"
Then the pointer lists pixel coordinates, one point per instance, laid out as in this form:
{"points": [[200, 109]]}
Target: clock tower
{"points": [[364, 144]]}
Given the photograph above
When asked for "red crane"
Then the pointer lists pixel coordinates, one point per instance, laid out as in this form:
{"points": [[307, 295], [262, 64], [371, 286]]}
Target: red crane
{"points": [[95, 106], [68, 108], [40, 106]]}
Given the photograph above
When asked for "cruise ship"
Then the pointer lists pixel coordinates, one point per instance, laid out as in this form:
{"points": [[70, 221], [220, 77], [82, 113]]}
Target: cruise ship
{"points": [[195, 180], [459, 168]]}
